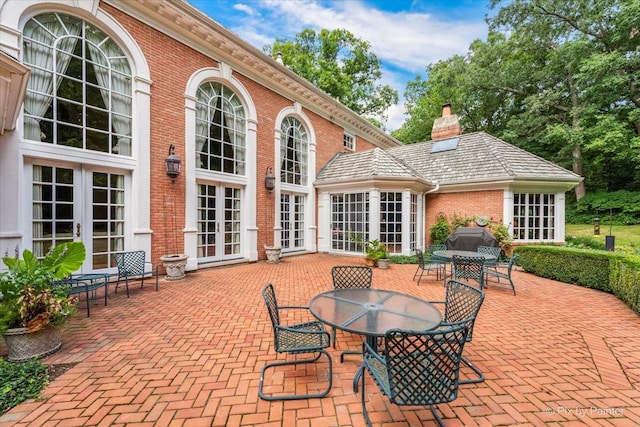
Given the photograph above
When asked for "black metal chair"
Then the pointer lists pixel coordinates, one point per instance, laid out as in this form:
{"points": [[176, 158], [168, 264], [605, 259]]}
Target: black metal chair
{"points": [[462, 304], [300, 338], [502, 271], [350, 276], [468, 268], [490, 250], [135, 266], [417, 367], [426, 264]]}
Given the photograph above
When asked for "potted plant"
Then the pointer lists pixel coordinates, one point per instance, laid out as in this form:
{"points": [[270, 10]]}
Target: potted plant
{"points": [[376, 251], [32, 306]]}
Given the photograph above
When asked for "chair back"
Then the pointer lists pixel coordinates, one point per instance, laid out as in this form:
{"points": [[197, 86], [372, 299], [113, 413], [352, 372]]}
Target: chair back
{"points": [[512, 261], [269, 295], [468, 267], [351, 276], [462, 304], [433, 248], [130, 263], [490, 250], [420, 256], [423, 367]]}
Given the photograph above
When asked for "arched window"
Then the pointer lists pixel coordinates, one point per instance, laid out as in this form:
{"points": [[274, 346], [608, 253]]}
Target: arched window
{"points": [[220, 130], [293, 152], [79, 92]]}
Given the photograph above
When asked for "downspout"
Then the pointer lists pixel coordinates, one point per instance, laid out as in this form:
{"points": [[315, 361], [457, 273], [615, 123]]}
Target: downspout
{"points": [[424, 209]]}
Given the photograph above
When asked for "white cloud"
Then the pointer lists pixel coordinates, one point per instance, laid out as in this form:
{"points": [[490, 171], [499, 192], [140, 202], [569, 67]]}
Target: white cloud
{"points": [[403, 40]]}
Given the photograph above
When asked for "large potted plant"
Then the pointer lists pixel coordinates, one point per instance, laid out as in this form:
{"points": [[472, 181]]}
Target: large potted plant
{"points": [[32, 305], [376, 252]]}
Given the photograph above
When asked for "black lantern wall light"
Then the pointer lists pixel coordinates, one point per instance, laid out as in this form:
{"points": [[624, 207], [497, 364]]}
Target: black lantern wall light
{"points": [[269, 179], [172, 164]]}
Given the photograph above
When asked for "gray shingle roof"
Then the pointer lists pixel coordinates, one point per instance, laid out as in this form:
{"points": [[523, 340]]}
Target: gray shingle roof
{"points": [[376, 163], [478, 157]]}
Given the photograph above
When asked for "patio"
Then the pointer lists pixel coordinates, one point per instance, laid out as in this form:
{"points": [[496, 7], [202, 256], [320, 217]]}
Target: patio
{"points": [[191, 354]]}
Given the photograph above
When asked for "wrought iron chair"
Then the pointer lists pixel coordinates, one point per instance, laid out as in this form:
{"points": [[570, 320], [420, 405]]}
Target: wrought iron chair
{"points": [[468, 268], [300, 338], [417, 367], [135, 266], [462, 304], [350, 276], [426, 265], [502, 271], [490, 250]]}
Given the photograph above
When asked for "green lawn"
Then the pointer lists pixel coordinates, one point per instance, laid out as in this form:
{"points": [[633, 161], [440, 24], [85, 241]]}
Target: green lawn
{"points": [[627, 237]]}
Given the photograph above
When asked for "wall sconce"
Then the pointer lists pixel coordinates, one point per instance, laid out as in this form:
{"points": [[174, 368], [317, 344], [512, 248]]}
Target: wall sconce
{"points": [[269, 179], [172, 164]]}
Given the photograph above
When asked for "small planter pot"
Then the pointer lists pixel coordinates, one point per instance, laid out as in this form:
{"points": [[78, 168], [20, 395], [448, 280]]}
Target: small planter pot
{"points": [[24, 345], [383, 263], [273, 253], [174, 264]]}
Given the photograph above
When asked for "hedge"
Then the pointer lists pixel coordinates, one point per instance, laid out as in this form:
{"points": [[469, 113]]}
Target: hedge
{"points": [[606, 271]]}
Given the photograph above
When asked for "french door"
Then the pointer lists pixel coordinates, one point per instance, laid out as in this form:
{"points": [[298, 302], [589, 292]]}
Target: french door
{"points": [[78, 204], [219, 222], [292, 221]]}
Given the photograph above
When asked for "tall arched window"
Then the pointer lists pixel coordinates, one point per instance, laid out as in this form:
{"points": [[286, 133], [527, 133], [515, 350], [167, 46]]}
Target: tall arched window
{"points": [[293, 152], [220, 130], [79, 92]]}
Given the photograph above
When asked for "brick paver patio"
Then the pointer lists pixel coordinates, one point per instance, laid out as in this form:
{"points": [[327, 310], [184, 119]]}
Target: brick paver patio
{"points": [[191, 354]]}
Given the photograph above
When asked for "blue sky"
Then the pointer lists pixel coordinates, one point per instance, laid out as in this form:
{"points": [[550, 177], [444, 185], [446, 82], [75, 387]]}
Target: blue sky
{"points": [[406, 36]]}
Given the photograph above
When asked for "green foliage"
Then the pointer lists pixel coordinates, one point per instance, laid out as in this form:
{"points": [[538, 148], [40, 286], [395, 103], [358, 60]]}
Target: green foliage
{"points": [[618, 207], [501, 234], [458, 221], [20, 381], [340, 64], [29, 297], [440, 230], [558, 79], [584, 243], [376, 250], [403, 259]]}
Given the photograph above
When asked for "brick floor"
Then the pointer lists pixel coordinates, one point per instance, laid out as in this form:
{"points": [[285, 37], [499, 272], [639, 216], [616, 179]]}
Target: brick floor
{"points": [[191, 354]]}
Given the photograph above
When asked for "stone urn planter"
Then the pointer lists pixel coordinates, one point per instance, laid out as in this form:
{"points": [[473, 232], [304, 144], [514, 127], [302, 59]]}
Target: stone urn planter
{"points": [[383, 263], [273, 253], [24, 345], [174, 264]]}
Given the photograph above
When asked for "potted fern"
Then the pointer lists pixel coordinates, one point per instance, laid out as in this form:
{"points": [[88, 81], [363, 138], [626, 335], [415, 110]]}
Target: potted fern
{"points": [[32, 305], [377, 252]]}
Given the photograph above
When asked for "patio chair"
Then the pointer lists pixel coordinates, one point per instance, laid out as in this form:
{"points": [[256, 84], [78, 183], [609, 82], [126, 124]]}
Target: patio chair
{"points": [[468, 268], [350, 276], [417, 367], [462, 304], [502, 271], [300, 338], [133, 265], [426, 264], [490, 250]]}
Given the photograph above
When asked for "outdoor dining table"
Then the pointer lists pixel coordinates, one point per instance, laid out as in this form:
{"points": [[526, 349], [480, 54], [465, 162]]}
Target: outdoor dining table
{"points": [[372, 312], [449, 253]]}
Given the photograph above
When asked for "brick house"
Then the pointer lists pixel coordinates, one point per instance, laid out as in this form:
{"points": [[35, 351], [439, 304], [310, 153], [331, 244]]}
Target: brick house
{"points": [[84, 158]]}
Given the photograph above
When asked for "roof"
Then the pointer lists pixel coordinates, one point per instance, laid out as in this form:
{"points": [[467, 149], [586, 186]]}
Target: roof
{"points": [[363, 165], [475, 157]]}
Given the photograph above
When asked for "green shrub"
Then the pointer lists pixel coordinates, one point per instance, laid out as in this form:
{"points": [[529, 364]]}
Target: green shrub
{"points": [[618, 207], [20, 381], [584, 242], [440, 230]]}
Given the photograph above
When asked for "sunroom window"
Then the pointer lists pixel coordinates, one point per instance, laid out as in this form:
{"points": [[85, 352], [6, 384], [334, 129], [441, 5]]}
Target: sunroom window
{"points": [[293, 152], [534, 216]]}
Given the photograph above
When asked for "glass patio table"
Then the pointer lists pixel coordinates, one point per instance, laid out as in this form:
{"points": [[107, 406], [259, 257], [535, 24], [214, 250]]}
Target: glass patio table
{"points": [[372, 312]]}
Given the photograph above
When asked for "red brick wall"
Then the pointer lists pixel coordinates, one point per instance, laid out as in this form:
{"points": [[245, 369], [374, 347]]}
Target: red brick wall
{"points": [[171, 65], [464, 204]]}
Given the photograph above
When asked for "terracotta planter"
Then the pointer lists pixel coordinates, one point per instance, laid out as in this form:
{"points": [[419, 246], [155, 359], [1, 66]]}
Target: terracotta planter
{"points": [[174, 264], [24, 345]]}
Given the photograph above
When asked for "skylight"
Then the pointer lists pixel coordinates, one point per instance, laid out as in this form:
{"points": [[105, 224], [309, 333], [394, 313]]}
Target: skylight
{"points": [[445, 145]]}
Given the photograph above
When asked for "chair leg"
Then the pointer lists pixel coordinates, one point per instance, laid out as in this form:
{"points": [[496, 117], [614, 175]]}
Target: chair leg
{"points": [[362, 399], [475, 369], [436, 415], [296, 362]]}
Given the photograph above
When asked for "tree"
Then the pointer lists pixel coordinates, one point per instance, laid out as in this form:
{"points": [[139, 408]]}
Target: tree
{"points": [[341, 65], [559, 79]]}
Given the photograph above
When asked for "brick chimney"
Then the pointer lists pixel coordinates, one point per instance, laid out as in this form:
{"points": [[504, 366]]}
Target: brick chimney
{"points": [[446, 126]]}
